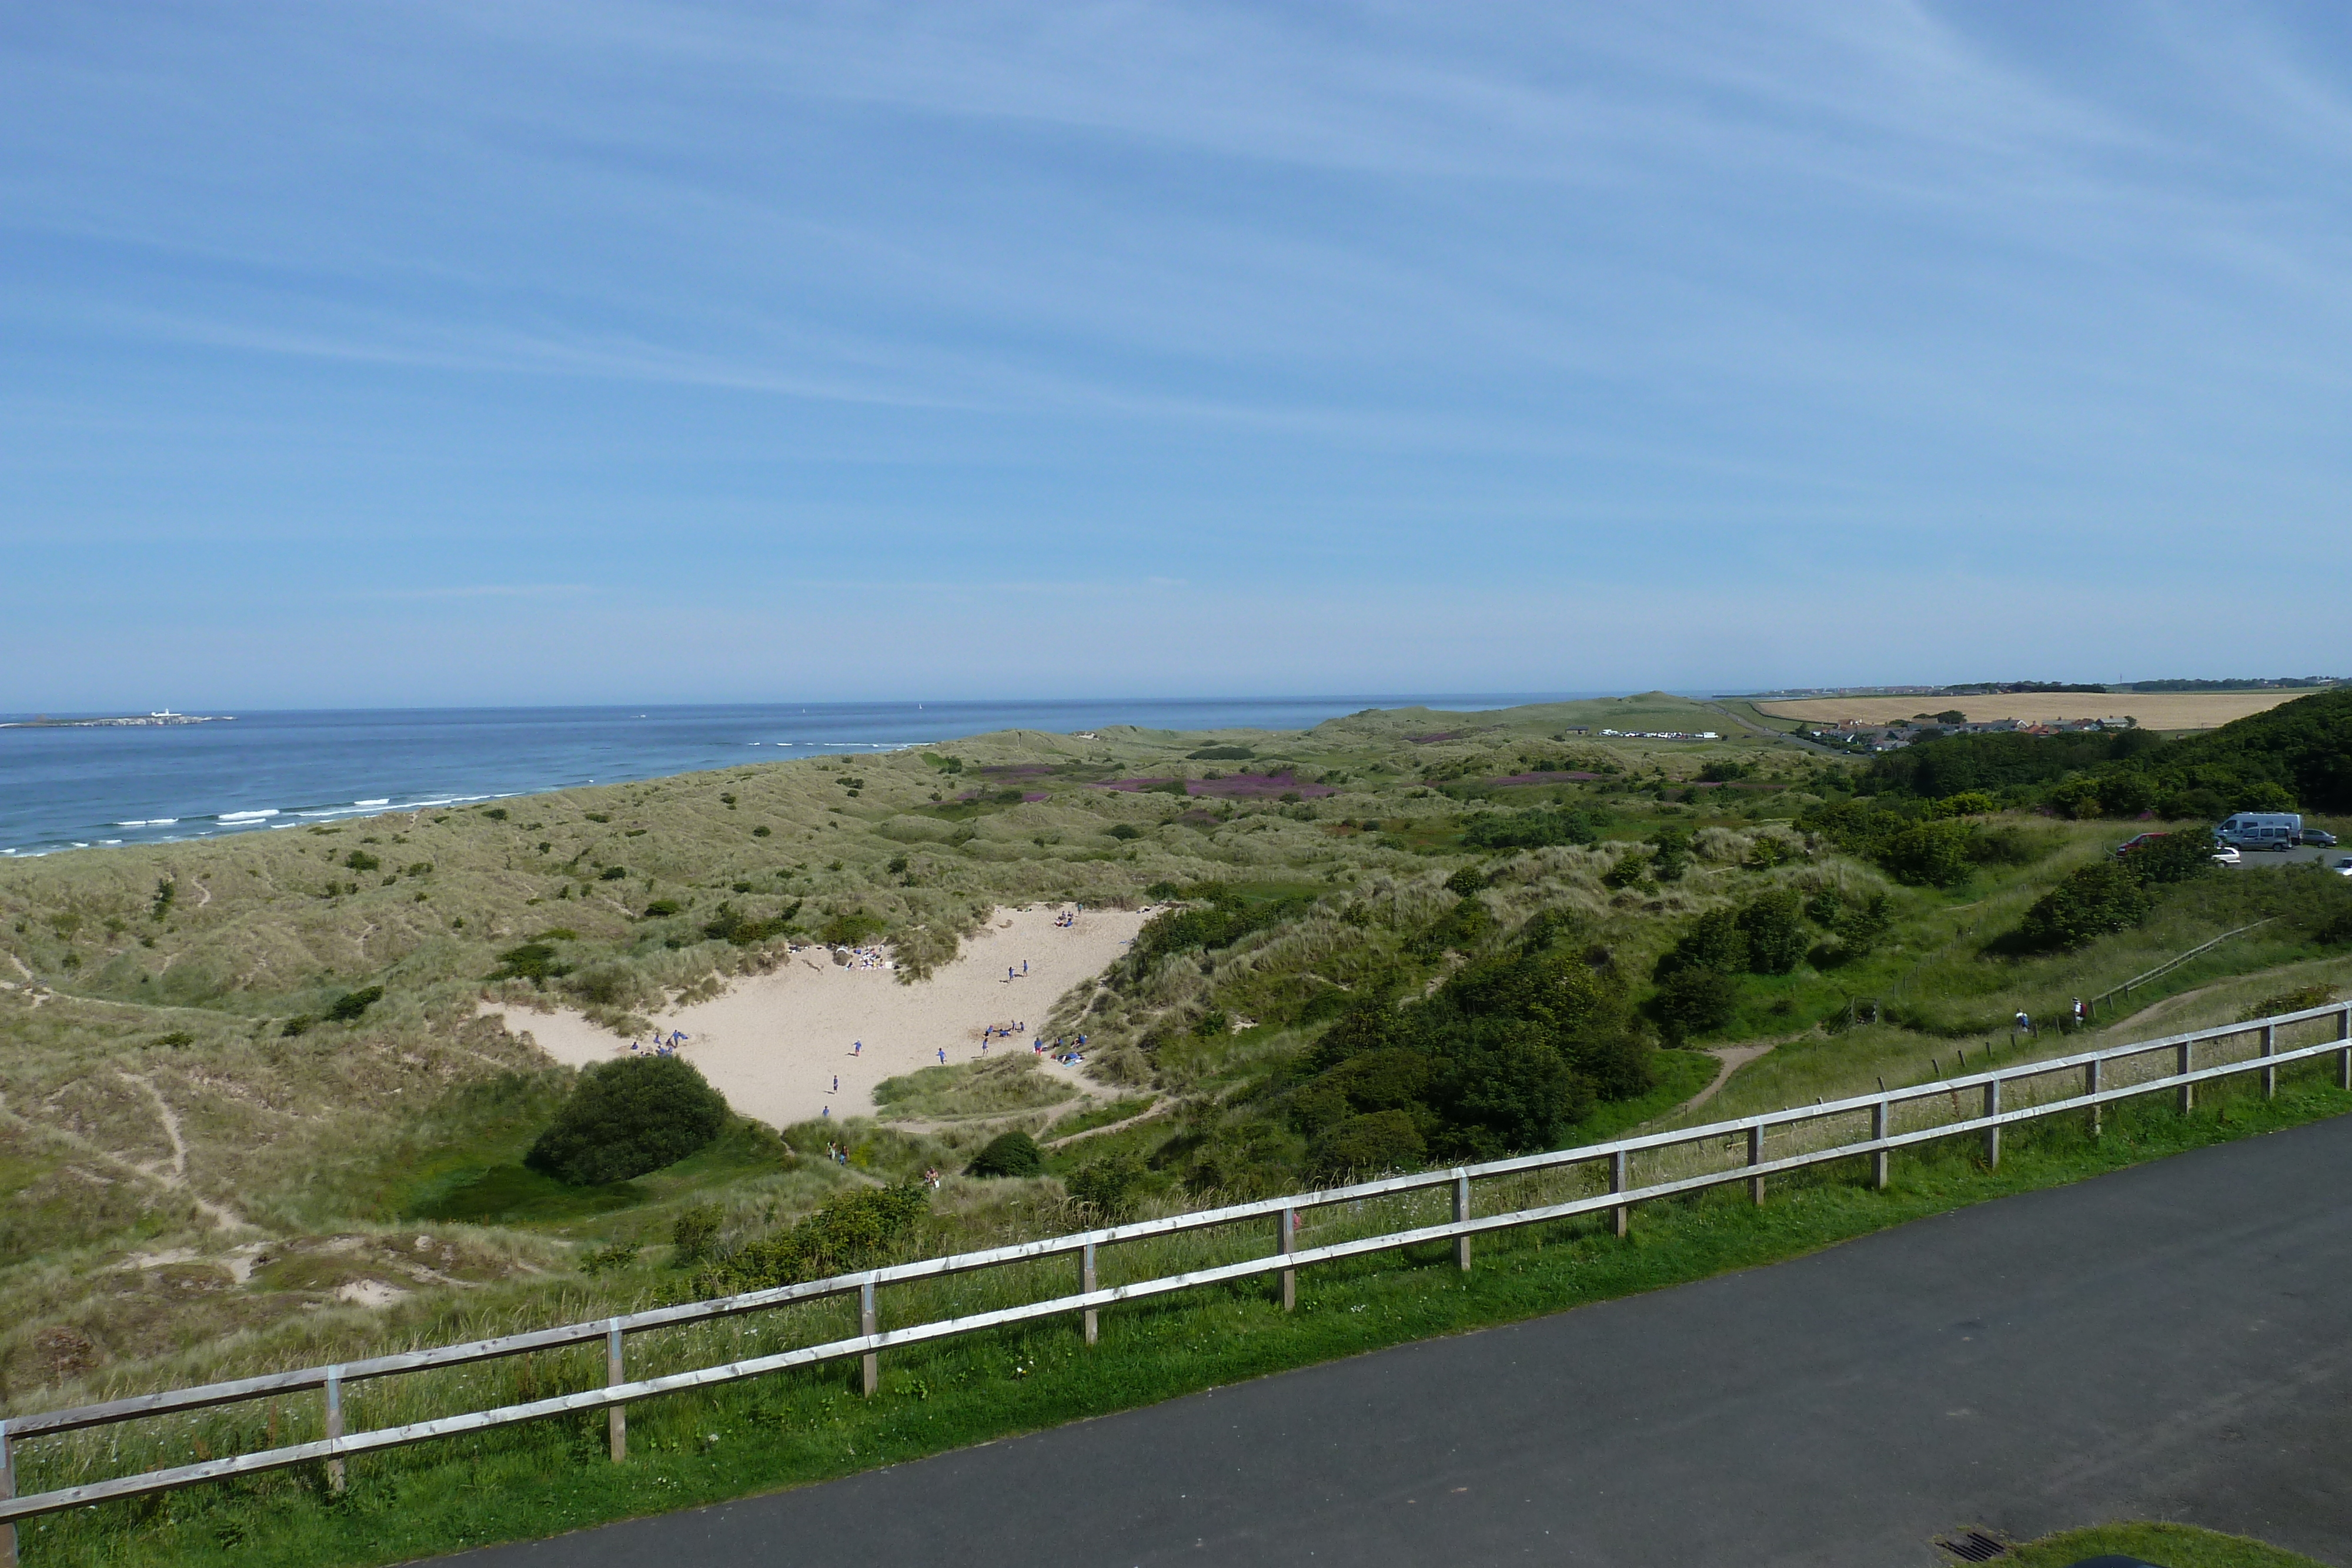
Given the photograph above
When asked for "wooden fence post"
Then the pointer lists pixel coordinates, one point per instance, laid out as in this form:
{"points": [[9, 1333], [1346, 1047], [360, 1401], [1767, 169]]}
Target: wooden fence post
{"points": [[335, 1423], [617, 1419], [2270, 1048], [2091, 1086], [7, 1490], [865, 1324], [1289, 1242], [1992, 1134], [1756, 1158], [1621, 1216], [1461, 1213], [1878, 1158], [1087, 1285], [2188, 1090]]}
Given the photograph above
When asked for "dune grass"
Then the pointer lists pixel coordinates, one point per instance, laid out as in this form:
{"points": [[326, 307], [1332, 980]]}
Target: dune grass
{"points": [[800, 1427]]}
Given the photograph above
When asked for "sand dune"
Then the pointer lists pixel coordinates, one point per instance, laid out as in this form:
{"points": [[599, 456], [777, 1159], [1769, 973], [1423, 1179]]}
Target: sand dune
{"points": [[774, 1043]]}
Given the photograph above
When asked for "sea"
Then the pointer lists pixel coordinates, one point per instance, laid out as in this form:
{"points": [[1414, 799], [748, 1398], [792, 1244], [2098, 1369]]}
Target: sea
{"points": [[67, 786]]}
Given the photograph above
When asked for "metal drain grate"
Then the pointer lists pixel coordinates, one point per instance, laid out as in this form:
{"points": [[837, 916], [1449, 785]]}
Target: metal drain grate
{"points": [[1976, 1546]]}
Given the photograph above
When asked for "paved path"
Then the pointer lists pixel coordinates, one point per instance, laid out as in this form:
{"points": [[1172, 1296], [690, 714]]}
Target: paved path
{"points": [[2168, 1342]]}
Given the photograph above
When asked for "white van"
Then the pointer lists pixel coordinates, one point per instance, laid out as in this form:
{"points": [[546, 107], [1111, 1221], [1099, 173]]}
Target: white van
{"points": [[2261, 831]]}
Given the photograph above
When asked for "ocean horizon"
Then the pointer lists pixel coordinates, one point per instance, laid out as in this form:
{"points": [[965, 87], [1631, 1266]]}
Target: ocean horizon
{"points": [[69, 786]]}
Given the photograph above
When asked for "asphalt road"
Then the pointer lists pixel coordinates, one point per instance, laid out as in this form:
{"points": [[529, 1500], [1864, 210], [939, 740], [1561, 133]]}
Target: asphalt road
{"points": [[2271, 860], [2168, 1342]]}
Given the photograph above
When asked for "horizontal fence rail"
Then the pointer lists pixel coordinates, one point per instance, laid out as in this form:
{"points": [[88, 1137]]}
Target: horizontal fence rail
{"points": [[1611, 1160]]}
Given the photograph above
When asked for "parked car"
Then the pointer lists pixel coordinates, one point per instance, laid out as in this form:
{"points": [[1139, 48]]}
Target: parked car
{"points": [[2136, 841], [2320, 836], [2227, 855], [2344, 866]]}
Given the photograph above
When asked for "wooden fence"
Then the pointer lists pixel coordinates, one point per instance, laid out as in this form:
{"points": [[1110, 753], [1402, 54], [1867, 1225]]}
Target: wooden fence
{"points": [[1687, 1161]]}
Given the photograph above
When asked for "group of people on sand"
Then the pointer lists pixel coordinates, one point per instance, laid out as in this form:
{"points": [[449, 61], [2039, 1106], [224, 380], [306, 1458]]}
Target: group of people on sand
{"points": [[1069, 917], [1067, 1055], [664, 1044], [870, 958]]}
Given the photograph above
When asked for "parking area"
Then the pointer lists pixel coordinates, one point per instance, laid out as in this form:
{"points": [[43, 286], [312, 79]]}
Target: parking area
{"points": [[2255, 859]]}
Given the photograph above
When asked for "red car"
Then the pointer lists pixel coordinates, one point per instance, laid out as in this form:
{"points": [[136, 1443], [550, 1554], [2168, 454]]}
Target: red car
{"points": [[2130, 844]]}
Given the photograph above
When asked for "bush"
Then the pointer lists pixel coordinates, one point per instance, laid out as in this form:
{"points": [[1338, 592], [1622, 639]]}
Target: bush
{"points": [[533, 961], [1106, 1186], [1465, 882], [1716, 941], [694, 1234], [854, 1230], [360, 859], [347, 1008], [850, 930], [1774, 924], [2181, 855], [612, 873], [2090, 904], [2315, 995], [661, 906], [627, 1117], [1672, 857], [1932, 853], [1695, 1000], [1366, 1145], [1012, 1154]]}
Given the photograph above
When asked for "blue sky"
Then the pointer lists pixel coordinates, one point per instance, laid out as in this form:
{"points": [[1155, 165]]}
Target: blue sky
{"points": [[495, 352]]}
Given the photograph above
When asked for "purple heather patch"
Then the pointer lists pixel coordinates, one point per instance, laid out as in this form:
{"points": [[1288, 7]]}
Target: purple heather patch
{"points": [[1545, 779], [1233, 786]]}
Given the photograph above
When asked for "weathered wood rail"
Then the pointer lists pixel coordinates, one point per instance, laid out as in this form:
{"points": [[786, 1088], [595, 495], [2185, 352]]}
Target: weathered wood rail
{"points": [[1611, 1162]]}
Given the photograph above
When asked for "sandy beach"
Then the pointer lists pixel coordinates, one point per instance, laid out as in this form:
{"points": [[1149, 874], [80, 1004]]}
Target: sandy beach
{"points": [[775, 1042]]}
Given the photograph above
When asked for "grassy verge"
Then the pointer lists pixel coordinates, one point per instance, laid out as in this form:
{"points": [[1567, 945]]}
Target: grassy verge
{"points": [[800, 1428], [2173, 1545]]}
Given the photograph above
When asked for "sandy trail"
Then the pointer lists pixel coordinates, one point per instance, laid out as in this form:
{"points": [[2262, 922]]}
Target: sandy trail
{"points": [[774, 1043]]}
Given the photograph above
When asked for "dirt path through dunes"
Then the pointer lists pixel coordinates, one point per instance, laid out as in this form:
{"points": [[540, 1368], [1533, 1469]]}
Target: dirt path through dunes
{"points": [[775, 1044], [1734, 1057]]}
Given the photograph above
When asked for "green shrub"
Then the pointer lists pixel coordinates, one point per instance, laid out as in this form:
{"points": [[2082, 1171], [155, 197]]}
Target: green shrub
{"points": [[1366, 1145], [612, 873], [347, 1008], [1935, 853], [1012, 1154], [1465, 882], [851, 930], [854, 1230], [661, 906], [178, 1040], [627, 1117], [1126, 830], [1106, 1186], [1774, 924], [694, 1234], [360, 859], [532, 961], [2316, 995], [1714, 941], [496, 813], [1695, 1000], [2088, 904], [1672, 857], [299, 1025]]}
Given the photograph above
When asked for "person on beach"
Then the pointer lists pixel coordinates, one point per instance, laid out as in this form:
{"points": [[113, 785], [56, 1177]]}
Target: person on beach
{"points": [[943, 1056], [857, 1048], [1025, 965], [1008, 974], [837, 1083]]}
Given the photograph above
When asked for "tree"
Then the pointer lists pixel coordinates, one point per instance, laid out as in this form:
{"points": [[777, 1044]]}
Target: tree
{"points": [[1693, 1001], [1714, 942], [1933, 853], [1012, 1154], [2088, 904], [1774, 926], [627, 1117]]}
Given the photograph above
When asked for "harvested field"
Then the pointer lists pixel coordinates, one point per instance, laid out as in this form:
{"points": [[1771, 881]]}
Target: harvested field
{"points": [[2154, 710]]}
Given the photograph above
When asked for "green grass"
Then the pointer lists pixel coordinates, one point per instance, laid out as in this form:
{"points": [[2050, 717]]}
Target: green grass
{"points": [[2172, 1545], [803, 1427]]}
